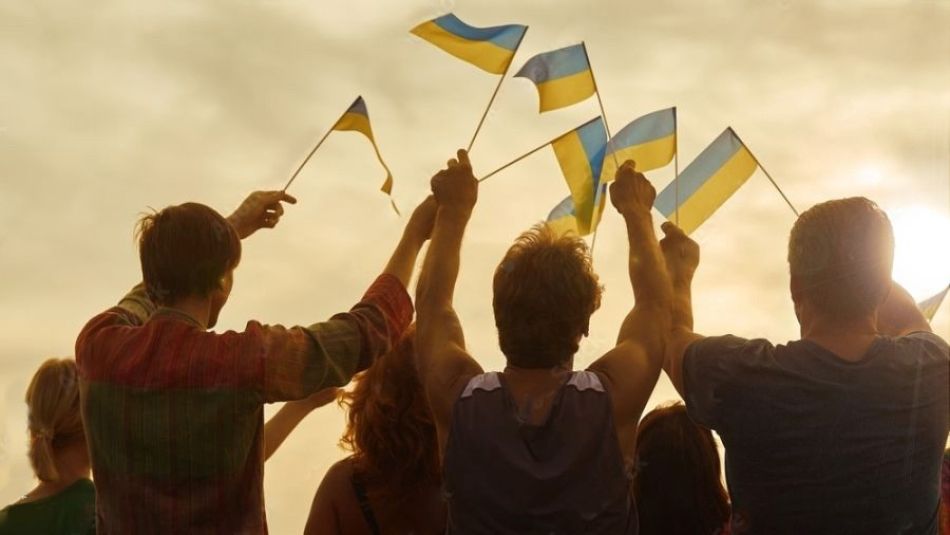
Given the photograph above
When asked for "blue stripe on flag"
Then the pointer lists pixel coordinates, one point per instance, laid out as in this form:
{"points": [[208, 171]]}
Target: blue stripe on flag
{"points": [[593, 136], [650, 127], [504, 36], [555, 64], [358, 106]]}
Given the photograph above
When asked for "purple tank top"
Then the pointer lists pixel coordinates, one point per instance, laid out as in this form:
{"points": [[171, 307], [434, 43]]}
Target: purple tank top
{"points": [[564, 476]]}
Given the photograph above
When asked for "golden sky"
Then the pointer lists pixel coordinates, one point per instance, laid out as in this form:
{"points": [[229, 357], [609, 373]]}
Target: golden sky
{"points": [[112, 107]]}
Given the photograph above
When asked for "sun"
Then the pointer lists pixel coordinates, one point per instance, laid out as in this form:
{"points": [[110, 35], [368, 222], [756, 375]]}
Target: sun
{"points": [[922, 250]]}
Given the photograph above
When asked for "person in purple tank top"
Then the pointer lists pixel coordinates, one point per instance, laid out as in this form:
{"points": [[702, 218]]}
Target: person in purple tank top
{"points": [[539, 447]]}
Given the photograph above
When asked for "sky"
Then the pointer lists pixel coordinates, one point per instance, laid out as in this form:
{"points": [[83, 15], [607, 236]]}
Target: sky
{"points": [[111, 108]]}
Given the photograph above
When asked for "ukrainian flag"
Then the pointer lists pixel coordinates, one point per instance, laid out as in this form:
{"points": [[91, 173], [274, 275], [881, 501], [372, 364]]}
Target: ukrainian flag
{"points": [[490, 49], [563, 218], [356, 119], [650, 141], [580, 154], [563, 77], [930, 305], [708, 181]]}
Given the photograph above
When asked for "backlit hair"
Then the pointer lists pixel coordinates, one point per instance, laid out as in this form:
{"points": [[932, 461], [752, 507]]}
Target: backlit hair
{"points": [[185, 250], [545, 291], [841, 252], [678, 482], [389, 426], [53, 419]]}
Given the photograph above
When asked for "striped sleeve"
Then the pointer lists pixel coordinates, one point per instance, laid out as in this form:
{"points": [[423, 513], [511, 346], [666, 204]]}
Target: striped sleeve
{"points": [[301, 360]]}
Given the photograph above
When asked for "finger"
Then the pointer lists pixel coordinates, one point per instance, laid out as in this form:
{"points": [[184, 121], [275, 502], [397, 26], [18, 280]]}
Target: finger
{"points": [[452, 163], [629, 165], [284, 196], [462, 156], [671, 230]]}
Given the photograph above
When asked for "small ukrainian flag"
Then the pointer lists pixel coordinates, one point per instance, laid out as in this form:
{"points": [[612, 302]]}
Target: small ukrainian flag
{"points": [[580, 154], [931, 305], [650, 141], [563, 218], [708, 181], [490, 49], [356, 118], [563, 77]]}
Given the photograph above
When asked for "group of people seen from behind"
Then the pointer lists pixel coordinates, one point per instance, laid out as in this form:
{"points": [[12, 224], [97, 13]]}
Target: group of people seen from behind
{"points": [[840, 431]]}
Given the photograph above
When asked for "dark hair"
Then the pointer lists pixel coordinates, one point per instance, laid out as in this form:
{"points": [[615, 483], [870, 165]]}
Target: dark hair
{"points": [[678, 481], [389, 426], [545, 291], [185, 250], [842, 252]]}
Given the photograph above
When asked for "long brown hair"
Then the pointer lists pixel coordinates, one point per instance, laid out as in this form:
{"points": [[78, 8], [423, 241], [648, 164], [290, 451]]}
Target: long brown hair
{"points": [[389, 426], [52, 401], [678, 482]]}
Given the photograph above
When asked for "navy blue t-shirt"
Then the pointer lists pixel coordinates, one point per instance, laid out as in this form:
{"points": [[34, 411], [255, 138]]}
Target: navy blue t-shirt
{"points": [[815, 444]]}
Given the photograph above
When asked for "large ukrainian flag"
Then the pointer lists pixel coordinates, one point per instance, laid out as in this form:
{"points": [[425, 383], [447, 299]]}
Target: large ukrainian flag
{"points": [[562, 76], [580, 154], [490, 49], [650, 141], [707, 182], [356, 119]]}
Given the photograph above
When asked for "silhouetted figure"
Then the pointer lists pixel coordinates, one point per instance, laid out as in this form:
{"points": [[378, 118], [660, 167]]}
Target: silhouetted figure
{"points": [[841, 431], [539, 447], [64, 501], [391, 483], [678, 482], [174, 412]]}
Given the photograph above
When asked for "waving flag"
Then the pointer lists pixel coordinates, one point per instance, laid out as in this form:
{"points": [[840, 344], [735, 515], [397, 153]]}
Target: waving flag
{"points": [[563, 77], [490, 49], [930, 305], [708, 181], [580, 154], [650, 141], [356, 118], [563, 218]]}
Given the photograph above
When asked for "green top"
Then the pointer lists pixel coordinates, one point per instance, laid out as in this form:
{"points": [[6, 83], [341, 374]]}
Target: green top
{"points": [[72, 511]]}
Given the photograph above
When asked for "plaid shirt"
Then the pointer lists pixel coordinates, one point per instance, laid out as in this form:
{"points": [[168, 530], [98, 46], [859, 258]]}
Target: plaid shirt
{"points": [[174, 414]]}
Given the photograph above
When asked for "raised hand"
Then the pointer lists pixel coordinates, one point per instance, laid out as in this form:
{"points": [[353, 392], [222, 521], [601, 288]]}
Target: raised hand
{"points": [[680, 252], [261, 209], [631, 192], [423, 219], [455, 187]]}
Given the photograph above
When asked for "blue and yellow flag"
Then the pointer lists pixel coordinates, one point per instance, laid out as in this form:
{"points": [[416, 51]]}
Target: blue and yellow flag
{"points": [[930, 305], [707, 182], [563, 77], [580, 154], [490, 49], [650, 141], [563, 218], [356, 119]]}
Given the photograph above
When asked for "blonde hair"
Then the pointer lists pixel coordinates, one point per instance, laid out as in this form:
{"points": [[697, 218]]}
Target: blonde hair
{"points": [[52, 400]]}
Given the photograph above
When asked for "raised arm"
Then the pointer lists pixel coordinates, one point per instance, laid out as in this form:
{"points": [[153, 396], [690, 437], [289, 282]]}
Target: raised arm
{"points": [[633, 366], [279, 426], [682, 258], [443, 363], [899, 314]]}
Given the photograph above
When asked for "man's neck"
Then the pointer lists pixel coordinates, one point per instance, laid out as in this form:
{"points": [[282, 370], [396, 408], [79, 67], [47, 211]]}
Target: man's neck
{"points": [[198, 309], [848, 339]]}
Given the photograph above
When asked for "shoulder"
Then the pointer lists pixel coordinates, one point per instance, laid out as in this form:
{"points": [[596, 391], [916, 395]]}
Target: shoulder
{"points": [[338, 481], [728, 350], [927, 343], [485, 382]]}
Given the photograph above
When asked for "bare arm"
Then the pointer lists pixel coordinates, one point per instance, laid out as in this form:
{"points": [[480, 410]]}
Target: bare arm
{"points": [[633, 366], [899, 314], [292, 413], [443, 363], [682, 258]]}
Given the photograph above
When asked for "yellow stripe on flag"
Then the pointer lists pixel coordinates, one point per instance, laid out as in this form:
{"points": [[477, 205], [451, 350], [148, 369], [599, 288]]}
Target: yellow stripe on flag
{"points": [[565, 91], [483, 54], [576, 169], [648, 156]]}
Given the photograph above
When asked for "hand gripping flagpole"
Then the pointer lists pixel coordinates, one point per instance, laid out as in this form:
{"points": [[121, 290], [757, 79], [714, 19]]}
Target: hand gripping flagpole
{"points": [[495, 93], [767, 175], [317, 146]]}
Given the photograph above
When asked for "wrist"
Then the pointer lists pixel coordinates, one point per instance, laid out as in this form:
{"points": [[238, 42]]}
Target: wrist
{"points": [[238, 225], [456, 214], [637, 214]]}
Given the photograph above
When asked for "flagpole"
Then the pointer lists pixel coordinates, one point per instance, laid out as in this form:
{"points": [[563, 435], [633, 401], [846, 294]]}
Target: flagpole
{"points": [[495, 93], [767, 175], [529, 153], [603, 115], [317, 146], [676, 167]]}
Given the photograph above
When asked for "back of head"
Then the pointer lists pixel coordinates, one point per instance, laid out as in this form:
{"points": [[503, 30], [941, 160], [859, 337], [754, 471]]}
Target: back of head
{"points": [[52, 401], [678, 484], [545, 291], [840, 255], [185, 250], [389, 425]]}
